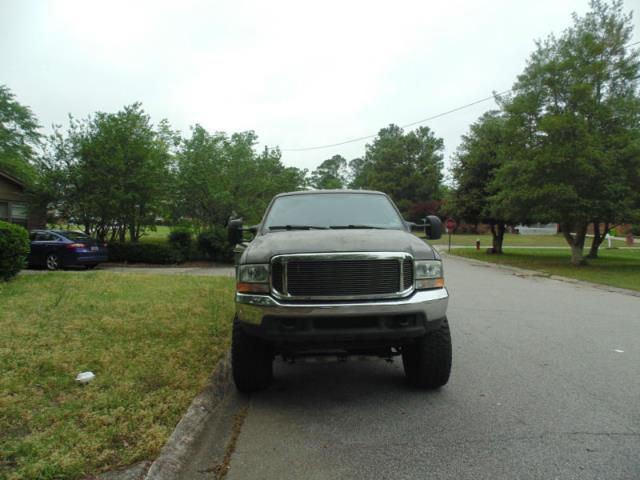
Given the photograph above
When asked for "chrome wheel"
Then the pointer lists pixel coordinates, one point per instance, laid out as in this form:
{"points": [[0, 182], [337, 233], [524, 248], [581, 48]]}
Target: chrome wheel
{"points": [[52, 262]]}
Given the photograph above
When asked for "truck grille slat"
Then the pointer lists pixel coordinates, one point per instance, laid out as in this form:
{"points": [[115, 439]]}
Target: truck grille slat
{"points": [[339, 278]]}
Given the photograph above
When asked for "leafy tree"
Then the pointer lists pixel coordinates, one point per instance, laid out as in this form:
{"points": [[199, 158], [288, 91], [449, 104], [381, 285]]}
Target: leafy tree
{"points": [[357, 173], [18, 137], [331, 174], [110, 172], [575, 117], [219, 175], [475, 165], [408, 166]]}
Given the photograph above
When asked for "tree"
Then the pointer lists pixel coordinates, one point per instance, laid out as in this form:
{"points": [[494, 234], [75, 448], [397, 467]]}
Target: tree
{"points": [[357, 173], [332, 173], [218, 175], [575, 116], [475, 164], [18, 137], [111, 172], [408, 167]]}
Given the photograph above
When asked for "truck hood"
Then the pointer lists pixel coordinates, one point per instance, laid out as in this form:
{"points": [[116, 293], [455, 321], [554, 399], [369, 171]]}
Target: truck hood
{"points": [[265, 246]]}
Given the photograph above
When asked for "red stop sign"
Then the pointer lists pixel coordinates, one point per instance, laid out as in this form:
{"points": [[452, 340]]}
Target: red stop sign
{"points": [[451, 224]]}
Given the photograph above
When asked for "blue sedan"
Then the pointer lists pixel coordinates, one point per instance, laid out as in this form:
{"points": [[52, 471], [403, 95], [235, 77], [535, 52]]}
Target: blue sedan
{"points": [[54, 249]]}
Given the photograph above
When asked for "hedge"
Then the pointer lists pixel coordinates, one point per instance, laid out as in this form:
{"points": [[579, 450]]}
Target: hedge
{"points": [[177, 248], [180, 241], [14, 248], [140, 252], [213, 244]]}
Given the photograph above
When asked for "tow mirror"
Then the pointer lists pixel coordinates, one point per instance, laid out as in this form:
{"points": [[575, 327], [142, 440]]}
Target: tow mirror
{"points": [[432, 227], [234, 231]]}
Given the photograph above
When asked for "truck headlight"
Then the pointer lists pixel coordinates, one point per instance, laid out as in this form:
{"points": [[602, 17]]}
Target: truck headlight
{"points": [[429, 274], [253, 279]]}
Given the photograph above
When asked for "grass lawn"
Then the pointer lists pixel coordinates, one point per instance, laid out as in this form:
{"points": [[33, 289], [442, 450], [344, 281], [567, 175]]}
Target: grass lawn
{"points": [[161, 234], [615, 267], [512, 240], [151, 340]]}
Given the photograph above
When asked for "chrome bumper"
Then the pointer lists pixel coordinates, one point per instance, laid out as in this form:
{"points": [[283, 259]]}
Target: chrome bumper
{"points": [[251, 309]]}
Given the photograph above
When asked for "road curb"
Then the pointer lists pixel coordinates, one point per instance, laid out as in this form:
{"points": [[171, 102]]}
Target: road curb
{"points": [[182, 441], [539, 274]]}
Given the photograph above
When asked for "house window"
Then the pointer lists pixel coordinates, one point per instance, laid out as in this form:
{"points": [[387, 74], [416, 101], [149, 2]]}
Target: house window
{"points": [[19, 212], [4, 211]]}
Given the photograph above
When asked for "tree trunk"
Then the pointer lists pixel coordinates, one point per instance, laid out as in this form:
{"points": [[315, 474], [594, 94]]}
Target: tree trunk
{"points": [[575, 241], [497, 234], [598, 238], [132, 232]]}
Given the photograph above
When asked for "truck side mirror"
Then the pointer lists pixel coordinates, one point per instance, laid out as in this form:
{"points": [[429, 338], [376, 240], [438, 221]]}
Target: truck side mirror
{"points": [[234, 231], [433, 227]]}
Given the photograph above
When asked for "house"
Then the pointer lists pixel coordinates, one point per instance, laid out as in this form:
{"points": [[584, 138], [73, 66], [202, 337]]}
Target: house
{"points": [[14, 207], [538, 229]]}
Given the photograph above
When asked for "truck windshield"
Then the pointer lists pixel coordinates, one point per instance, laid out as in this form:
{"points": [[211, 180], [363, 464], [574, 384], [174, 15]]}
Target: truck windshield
{"points": [[333, 210]]}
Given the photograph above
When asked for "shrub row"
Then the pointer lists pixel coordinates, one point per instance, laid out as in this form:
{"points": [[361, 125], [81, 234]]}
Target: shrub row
{"points": [[136, 252], [211, 245], [14, 248]]}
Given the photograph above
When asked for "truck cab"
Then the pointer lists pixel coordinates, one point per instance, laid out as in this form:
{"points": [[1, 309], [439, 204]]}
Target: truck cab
{"points": [[338, 272]]}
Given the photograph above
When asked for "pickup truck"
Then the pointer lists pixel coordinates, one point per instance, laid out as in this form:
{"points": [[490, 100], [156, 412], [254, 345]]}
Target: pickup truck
{"points": [[338, 272]]}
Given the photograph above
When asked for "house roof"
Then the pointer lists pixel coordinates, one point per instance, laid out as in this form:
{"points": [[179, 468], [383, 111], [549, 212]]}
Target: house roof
{"points": [[12, 179]]}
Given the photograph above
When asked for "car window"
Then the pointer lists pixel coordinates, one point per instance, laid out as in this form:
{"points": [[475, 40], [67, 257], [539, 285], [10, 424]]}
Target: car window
{"points": [[76, 236], [45, 237]]}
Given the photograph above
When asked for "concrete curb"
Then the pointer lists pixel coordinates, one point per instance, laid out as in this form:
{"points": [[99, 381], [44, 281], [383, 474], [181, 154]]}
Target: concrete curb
{"points": [[182, 441], [536, 273]]}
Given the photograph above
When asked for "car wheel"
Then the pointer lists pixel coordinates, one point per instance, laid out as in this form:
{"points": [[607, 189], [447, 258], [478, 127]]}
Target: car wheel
{"points": [[427, 362], [91, 266], [251, 361], [52, 262]]}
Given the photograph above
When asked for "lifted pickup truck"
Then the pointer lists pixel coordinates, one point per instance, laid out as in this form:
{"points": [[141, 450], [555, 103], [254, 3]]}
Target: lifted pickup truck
{"points": [[338, 272]]}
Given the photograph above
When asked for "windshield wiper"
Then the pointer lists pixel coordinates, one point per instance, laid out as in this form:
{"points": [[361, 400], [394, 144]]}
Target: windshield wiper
{"points": [[297, 227], [357, 226]]}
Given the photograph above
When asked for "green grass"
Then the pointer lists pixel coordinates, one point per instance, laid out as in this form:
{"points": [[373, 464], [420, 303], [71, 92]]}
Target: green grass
{"points": [[161, 234], [512, 240], [151, 340], [615, 267]]}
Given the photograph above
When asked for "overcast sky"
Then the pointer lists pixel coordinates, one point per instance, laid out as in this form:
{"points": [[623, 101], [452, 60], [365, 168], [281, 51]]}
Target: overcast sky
{"points": [[299, 73]]}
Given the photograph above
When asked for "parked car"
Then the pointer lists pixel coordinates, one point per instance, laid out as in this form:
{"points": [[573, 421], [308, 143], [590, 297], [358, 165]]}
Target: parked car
{"points": [[54, 249], [338, 271]]}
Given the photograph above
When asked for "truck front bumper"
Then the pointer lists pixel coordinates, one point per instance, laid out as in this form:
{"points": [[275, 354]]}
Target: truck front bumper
{"points": [[400, 318]]}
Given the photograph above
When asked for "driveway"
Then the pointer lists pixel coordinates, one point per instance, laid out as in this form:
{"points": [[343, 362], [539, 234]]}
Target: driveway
{"points": [[545, 385]]}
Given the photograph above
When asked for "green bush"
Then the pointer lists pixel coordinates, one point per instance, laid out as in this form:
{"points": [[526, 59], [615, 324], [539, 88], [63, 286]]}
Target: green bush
{"points": [[635, 230], [180, 241], [136, 252], [214, 245], [14, 248], [180, 237]]}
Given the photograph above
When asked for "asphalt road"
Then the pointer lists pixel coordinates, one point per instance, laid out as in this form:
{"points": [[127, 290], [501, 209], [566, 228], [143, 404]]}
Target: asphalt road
{"points": [[545, 385]]}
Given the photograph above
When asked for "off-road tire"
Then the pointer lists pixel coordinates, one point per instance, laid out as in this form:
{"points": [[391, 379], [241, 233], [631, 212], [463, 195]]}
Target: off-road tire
{"points": [[427, 362], [251, 361]]}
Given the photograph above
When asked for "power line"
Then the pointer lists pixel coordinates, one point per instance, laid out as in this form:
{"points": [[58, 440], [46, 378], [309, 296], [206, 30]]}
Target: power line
{"points": [[412, 124]]}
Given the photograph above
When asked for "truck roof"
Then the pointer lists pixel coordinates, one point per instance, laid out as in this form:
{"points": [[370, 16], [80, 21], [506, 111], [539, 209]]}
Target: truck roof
{"points": [[315, 192]]}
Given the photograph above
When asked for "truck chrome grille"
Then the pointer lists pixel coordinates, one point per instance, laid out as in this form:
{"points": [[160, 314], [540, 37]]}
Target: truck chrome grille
{"points": [[342, 276]]}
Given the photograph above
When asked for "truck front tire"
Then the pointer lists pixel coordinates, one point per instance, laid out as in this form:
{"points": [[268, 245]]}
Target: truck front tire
{"points": [[427, 362], [251, 361]]}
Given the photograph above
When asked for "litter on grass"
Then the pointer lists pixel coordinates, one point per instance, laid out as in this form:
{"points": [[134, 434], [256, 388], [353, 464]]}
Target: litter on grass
{"points": [[85, 377]]}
